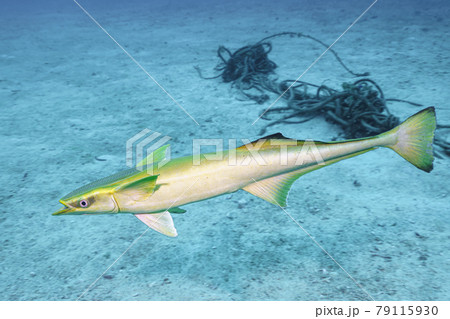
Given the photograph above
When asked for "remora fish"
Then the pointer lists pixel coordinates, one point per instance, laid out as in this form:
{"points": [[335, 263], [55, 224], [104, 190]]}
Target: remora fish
{"points": [[266, 168]]}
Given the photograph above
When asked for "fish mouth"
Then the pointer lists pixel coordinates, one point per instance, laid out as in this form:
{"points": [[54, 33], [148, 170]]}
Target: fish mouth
{"points": [[65, 210]]}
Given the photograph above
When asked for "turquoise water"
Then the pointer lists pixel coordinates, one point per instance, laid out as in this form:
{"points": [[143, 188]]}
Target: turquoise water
{"points": [[71, 98]]}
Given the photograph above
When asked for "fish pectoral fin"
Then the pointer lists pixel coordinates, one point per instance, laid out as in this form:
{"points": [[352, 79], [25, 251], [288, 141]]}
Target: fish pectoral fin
{"points": [[177, 210], [161, 222], [274, 189], [139, 190]]}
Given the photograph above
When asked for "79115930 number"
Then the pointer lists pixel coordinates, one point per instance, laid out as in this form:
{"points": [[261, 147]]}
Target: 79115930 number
{"points": [[407, 310]]}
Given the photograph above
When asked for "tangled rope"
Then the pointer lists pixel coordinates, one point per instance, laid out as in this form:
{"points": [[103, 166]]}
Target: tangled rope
{"points": [[249, 68], [246, 68], [360, 108]]}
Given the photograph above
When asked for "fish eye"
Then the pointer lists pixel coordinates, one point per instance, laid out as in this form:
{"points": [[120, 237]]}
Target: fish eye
{"points": [[84, 203]]}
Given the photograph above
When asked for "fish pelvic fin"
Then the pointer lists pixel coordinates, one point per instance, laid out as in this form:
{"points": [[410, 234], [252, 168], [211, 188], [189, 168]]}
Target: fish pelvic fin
{"points": [[413, 139], [161, 222], [176, 210]]}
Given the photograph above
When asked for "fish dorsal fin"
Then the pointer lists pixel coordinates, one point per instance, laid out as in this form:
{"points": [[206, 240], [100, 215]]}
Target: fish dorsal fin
{"points": [[275, 189], [161, 222], [139, 190], [266, 140], [275, 136], [156, 156]]}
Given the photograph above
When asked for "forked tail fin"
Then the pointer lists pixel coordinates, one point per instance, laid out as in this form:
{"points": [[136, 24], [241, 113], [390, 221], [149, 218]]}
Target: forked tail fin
{"points": [[413, 139]]}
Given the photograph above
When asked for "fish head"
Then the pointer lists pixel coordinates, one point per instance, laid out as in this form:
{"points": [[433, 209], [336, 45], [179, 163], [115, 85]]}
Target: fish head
{"points": [[99, 201]]}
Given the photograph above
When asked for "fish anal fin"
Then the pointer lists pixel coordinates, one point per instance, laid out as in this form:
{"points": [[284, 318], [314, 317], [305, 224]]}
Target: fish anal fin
{"points": [[275, 189], [161, 222]]}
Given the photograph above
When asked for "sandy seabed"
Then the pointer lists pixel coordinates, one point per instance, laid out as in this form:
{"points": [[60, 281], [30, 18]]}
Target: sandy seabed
{"points": [[69, 95]]}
